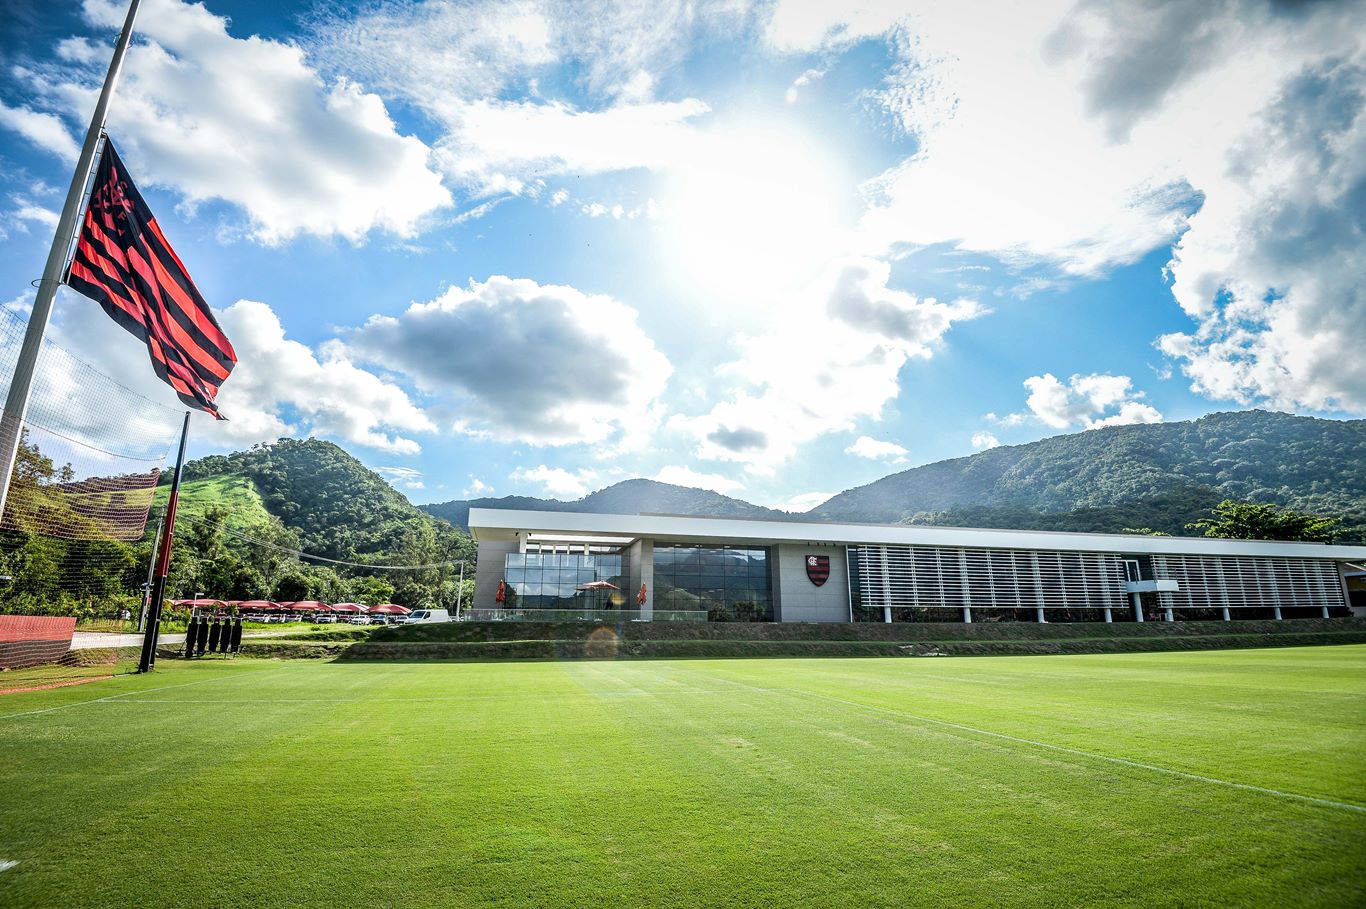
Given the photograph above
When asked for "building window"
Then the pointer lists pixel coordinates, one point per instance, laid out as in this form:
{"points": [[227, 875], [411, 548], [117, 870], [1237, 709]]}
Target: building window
{"points": [[565, 577], [729, 583]]}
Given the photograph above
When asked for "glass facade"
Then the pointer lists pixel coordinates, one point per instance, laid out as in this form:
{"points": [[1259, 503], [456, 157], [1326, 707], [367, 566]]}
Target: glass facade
{"points": [[561, 579], [731, 583]]}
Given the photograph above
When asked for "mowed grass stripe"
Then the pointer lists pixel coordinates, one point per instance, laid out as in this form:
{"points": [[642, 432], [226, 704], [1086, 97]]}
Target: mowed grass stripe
{"points": [[655, 783], [994, 786], [1295, 737], [1089, 755]]}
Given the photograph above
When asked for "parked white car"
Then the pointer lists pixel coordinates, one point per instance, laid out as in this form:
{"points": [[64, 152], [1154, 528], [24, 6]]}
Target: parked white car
{"points": [[422, 616]]}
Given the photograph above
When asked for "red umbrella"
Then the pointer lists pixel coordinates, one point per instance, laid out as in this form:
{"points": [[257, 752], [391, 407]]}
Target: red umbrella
{"points": [[258, 605], [390, 609], [310, 606], [502, 594], [598, 585], [348, 607]]}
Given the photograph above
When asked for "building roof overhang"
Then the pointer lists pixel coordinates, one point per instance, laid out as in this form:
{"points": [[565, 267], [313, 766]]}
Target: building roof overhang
{"points": [[495, 524]]}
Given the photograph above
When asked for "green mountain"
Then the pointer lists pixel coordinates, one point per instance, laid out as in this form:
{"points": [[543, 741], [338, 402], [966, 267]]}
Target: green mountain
{"points": [[334, 504], [1151, 475], [1160, 476], [626, 497]]}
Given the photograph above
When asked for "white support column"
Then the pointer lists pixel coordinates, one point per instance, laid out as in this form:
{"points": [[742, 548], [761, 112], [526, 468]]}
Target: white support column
{"points": [[1278, 612], [1108, 617], [967, 615], [887, 614], [1138, 607], [1168, 615], [1325, 612], [1224, 610], [1039, 615]]}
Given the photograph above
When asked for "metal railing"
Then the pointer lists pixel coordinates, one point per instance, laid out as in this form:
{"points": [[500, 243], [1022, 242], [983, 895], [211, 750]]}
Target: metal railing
{"points": [[583, 615]]}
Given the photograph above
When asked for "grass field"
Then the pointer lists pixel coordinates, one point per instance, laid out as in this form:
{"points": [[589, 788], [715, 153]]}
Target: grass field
{"points": [[1174, 779]]}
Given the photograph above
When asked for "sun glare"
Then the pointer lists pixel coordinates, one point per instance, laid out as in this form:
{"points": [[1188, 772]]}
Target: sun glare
{"points": [[756, 214]]}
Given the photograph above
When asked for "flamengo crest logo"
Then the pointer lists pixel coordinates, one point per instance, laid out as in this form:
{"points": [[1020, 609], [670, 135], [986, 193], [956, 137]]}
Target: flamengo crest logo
{"points": [[818, 569]]}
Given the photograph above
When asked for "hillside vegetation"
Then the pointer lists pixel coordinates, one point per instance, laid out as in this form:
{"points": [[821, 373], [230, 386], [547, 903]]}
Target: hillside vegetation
{"points": [[626, 497], [1156, 475], [336, 506], [1160, 476], [235, 493]]}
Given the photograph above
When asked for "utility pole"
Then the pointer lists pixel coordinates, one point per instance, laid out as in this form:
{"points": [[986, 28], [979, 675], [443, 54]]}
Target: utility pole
{"points": [[16, 403]]}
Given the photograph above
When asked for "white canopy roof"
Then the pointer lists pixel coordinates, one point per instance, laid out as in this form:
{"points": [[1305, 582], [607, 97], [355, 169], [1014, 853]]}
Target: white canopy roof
{"points": [[492, 524]]}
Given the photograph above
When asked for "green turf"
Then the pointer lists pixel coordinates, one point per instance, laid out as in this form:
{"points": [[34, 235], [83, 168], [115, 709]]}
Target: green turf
{"points": [[861, 782]]}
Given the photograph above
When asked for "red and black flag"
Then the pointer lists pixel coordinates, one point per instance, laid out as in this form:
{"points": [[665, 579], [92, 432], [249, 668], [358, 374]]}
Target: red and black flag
{"points": [[124, 263]]}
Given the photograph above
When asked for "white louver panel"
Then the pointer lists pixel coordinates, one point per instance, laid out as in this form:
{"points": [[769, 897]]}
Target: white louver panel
{"points": [[1213, 582], [916, 576]]}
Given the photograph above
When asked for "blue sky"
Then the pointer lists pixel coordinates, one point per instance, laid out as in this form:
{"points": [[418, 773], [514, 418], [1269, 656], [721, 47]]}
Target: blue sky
{"points": [[775, 249]]}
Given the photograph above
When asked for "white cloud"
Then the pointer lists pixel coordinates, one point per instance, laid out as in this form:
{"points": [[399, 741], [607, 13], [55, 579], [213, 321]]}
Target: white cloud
{"points": [[834, 358], [686, 476], [875, 450], [476, 488], [406, 477], [47, 131], [984, 440], [557, 481], [26, 210], [809, 77], [439, 53], [801, 26], [1085, 135], [1272, 268], [495, 146], [1077, 134], [521, 361], [297, 154], [278, 380], [805, 501], [1084, 401], [559, 197]]}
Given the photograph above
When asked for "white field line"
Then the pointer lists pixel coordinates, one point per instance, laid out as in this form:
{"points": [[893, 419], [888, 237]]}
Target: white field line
{"points": [[115, 697], [1313, 800], [7, 864], [369, 700]]}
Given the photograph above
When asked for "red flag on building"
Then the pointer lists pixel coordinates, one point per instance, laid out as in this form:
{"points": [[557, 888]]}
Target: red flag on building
{"points": [[124, 263]]}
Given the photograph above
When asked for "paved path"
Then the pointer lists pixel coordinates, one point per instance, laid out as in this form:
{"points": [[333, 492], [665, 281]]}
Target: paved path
{"points": [[85, 640]]}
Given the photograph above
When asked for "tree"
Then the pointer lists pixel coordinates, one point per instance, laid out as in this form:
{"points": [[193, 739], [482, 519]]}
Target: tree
{"points": [[1261, 521]]}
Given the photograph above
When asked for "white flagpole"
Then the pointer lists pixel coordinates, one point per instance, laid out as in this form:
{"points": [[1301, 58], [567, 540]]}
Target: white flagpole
{"points": [[16, 404]]}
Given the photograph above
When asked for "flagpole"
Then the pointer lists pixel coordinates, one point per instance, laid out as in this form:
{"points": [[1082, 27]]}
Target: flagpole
{"points": [[149, 635], [16, 404]]}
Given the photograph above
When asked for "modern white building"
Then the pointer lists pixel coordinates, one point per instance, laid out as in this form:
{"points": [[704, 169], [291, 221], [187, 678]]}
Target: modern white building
{"points": [[561, 564]]}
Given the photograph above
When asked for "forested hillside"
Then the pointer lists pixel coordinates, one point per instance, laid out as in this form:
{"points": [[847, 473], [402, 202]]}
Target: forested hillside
{"points": [[1160, 476], [626, 497], [306, 495], [1141, 475], [338, 507]]}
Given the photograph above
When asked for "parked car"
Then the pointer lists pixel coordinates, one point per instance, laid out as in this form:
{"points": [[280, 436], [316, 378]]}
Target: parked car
{"points": [[359, 620], [422, 616], [377, 620], [324, 618]]}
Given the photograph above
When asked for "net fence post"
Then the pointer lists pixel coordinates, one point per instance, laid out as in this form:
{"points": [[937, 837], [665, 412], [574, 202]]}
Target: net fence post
{"points": [[149, 636]]}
